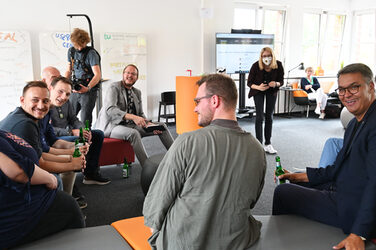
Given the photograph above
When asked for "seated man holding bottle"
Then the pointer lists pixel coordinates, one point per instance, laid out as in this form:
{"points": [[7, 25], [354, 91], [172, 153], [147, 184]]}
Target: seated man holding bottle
{"points": [[66, 125], [349, 202]]}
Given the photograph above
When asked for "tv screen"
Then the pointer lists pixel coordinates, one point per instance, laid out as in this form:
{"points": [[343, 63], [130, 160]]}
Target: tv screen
{"points": [[236, 53]]}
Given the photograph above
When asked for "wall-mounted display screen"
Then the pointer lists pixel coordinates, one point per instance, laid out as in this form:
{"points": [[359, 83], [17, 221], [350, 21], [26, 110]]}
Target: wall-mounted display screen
{"points": [[235, 53]]}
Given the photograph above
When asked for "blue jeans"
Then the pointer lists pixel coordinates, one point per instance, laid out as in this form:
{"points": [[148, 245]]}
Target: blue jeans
{"points": [[92, 157], [329, 153]]}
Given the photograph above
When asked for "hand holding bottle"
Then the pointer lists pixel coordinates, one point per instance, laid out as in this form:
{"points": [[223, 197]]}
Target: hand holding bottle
{"points": [[78, 163]]}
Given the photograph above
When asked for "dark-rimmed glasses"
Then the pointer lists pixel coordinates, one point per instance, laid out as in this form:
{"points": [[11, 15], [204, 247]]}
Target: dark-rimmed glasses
{"points": [[198, 99], [353, 89]]}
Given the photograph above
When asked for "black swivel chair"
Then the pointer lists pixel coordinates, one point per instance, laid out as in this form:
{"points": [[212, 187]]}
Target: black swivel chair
{"points": [[167, 99]]}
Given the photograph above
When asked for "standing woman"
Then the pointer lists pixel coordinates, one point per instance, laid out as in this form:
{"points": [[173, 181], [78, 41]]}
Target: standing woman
{"points": [[264, 80]]}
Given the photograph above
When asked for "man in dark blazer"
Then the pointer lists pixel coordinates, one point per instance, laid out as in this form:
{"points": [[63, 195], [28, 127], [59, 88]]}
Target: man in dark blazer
{"points": [[122, 116], [349, 198]]}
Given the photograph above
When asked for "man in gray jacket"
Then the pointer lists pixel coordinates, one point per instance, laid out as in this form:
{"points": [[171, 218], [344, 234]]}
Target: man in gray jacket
{"points": [[122, 116], [203, 191]]}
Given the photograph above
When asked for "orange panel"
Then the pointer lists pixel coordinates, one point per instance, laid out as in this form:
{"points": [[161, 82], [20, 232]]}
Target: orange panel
{"points": [[298, 93], [186, 90], [134, 232]]}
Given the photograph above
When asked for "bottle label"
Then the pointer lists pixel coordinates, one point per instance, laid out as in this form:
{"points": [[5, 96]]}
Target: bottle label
{"points": [[125, 172]]}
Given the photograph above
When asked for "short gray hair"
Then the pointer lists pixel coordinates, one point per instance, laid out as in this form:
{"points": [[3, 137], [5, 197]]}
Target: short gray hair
{"points": [[361, 68]]}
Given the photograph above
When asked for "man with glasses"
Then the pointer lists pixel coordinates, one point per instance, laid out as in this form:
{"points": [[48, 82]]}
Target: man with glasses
{"points": [[205, 187], [349, 198], [122, 116]]}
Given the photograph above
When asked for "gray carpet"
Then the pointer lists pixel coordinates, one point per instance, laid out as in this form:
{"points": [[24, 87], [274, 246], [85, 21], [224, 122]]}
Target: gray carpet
{"points": [[299, 142]]}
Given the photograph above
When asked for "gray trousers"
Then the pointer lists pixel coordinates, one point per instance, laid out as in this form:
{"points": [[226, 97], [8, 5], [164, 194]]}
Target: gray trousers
{"points": [[85, 103], [134, 133]]}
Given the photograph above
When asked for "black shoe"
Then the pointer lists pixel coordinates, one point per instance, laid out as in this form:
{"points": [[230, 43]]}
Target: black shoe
{"points": [[76, 194], [96, 178], [81, 203]]}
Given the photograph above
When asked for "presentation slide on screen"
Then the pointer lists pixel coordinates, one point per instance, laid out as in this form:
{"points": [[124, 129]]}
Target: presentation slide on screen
{"points": [[236, 53]]}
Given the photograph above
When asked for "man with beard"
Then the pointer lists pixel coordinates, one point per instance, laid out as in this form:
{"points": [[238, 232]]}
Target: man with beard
{"points": [[202, 194], [23, 122], [122, 116]]}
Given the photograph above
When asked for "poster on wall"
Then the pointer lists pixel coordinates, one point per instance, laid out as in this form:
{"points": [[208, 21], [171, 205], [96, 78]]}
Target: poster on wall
{"points": [[119, 50], [53, 49], [15, 68]]}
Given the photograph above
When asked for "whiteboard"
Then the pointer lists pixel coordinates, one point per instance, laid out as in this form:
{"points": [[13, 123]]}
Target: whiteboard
{"points": [[119, 50], [53, 49], [15, 68]]}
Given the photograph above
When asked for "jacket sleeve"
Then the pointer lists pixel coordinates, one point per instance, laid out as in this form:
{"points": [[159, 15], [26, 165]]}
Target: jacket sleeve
{"points": [[281, 73], [22, 161], [316, 84], [303, 84], [115, 108], [365, 219], [252, 75]]}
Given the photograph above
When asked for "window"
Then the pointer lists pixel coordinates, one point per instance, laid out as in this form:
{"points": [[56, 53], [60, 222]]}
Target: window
{"points": [[322, 39], [269, 20], [274, 23], [364, 38], [244, 18]]}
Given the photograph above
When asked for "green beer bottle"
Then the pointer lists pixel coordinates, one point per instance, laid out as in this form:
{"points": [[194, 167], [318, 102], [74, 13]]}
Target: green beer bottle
{"points": [[76, 152], [125, 168], [87, 128], [278, 170], [82, 139]]}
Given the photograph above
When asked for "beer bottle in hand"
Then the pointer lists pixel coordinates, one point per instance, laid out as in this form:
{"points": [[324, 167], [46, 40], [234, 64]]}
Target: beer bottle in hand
{"points": [[87, 128], [81, 139], [76, 152], [278, 170]]}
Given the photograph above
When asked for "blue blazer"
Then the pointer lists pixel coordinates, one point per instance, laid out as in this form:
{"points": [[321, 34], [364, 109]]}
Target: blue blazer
{"points": [[354, 175]]}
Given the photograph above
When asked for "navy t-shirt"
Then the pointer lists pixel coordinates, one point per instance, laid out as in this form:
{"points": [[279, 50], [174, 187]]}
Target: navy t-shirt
{"points": [[21, 204], [47, 133]]}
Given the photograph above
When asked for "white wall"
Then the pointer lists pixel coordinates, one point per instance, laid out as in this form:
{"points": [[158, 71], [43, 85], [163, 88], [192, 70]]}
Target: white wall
{"points": [[172, 28]]}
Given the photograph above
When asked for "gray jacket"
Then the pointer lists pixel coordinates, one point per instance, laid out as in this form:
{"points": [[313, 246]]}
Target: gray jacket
{"points": [[115, 107]]}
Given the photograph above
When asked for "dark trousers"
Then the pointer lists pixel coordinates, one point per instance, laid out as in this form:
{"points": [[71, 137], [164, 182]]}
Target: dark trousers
{"points": [[314, 204], [92, 158], [259, 103], [63, 213], [85, 103]]}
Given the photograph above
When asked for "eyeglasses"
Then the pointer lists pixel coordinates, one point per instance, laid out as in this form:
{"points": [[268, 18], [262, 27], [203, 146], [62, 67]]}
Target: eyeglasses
{"points": [[353, 89], [198, 99], [130, 73]]}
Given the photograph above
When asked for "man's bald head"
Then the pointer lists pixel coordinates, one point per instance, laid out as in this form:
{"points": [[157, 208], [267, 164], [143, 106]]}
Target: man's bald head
{"points": [[49, 73]]}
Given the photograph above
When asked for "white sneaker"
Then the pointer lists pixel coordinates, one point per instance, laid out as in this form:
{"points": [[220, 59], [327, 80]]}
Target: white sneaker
{"points": [[317, 110], [322, 116], [269, 149]]}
